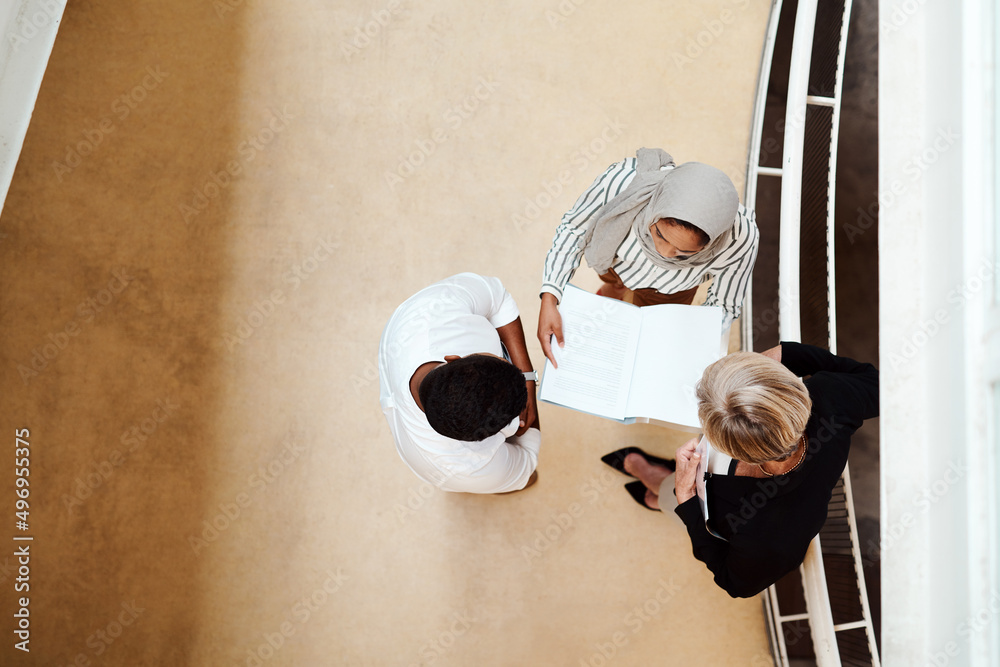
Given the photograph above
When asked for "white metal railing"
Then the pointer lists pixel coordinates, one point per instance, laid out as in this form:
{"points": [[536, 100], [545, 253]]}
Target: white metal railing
{"points": [[753, 167], [814, 581], [866, 612], [789, 315]]}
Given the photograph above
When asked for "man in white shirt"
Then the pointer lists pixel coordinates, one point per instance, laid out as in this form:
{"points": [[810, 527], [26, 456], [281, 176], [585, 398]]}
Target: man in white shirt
{"points": [[457, 387]]}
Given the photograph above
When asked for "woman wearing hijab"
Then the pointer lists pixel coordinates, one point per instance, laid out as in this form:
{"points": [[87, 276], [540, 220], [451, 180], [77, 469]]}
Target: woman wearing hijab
{"points": [[653, 231]]}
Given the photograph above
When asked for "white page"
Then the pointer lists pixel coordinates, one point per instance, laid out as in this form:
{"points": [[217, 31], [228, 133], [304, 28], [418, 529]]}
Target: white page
{"points": [[676, 344], [595, 366]]}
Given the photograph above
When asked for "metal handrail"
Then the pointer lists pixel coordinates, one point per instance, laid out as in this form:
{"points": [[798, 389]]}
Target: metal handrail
{"points": [[816, 592]]}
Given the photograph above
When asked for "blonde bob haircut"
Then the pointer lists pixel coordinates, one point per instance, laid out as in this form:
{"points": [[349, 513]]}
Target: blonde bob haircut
{"points": [[752, 408]]}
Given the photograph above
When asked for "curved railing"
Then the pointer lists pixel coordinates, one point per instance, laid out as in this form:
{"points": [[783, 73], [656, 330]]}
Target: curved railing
{"points": [[832, 575]]}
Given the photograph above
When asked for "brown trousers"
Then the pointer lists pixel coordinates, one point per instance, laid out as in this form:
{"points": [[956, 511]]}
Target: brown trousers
{"points": [[648, 296]]}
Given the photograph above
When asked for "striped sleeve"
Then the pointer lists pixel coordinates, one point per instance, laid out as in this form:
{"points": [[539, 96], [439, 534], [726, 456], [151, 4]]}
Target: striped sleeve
{"points": [[733, 267], [565, 254]]}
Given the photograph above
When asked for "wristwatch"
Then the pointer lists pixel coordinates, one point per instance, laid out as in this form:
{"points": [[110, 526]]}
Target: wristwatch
{"points": [[530, 376]]}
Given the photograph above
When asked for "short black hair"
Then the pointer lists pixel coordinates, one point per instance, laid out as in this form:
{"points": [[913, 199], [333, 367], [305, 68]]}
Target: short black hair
{"points": [[473, 397], [703, 238]]}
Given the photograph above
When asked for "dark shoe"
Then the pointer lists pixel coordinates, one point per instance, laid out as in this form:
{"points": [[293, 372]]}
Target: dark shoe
{"points": [[638, 492], [617, 459]]}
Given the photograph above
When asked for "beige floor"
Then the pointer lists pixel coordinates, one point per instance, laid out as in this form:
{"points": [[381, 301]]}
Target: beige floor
{"points": [[226, 373]]}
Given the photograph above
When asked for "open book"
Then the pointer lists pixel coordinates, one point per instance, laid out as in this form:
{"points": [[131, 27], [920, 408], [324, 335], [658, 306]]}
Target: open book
{"points": [[623, 362]]}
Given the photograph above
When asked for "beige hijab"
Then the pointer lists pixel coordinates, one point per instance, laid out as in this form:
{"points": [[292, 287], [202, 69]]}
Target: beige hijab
{"points": [[693, 192]]}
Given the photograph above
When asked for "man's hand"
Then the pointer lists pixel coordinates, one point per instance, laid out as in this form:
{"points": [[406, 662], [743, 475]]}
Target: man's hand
{"points": [[512, 336], [529, 416], [686, 475], [549, 324]]}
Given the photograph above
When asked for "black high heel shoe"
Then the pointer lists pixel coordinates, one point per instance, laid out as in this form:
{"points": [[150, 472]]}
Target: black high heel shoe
{"points": [[617, 459], [638, 492]]}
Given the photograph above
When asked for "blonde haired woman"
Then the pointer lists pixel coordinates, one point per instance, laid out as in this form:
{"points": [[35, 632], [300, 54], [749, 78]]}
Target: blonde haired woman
{"points": [[780, 445]]}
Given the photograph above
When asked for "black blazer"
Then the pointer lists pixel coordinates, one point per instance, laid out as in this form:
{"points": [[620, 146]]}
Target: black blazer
{"points": [[769, 522]]}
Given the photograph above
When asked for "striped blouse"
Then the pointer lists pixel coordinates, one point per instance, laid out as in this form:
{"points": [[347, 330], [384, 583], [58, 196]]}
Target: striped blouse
{"points": [[731, 268]]}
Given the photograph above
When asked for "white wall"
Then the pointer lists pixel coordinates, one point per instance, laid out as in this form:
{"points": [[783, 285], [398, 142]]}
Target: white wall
{"points": [[28, 30], [937, 165]]}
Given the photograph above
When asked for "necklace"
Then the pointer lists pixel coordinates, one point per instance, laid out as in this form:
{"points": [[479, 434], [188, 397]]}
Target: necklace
{"points": [[802, 456]]}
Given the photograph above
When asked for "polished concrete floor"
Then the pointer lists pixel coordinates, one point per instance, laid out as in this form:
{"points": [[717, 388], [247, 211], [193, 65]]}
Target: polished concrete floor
{"points": [[217, 208]]}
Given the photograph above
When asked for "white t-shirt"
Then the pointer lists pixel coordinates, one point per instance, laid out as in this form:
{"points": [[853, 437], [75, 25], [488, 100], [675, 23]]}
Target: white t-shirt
{"points": [[458, 315]]}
